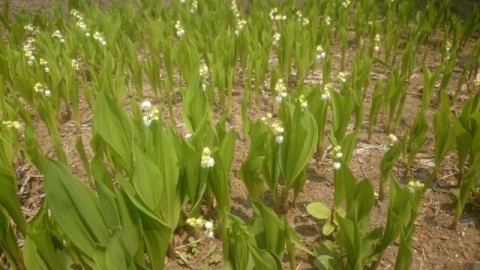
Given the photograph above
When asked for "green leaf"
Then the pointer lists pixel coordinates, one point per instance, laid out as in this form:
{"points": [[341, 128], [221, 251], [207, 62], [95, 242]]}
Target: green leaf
{"points": [[344, 183], [404, 256], [8, 240], [131, 224], [325, 262], [75, 207], [250, 173], [389, 159], [156, 235], [299, 145], [268, 229], [148, 180], [328, 228], [471, 179], [9, 200], [265, 259], [362, 204], [166, 157], [319, 210], [443, 131], [42, 250], [116, 255], [108, 205], [342, 108], [348, 146], [349, 242], [111, 122]]}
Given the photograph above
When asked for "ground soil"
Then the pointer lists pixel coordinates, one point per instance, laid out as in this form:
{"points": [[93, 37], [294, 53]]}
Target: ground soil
{"points": [[435, 245]]}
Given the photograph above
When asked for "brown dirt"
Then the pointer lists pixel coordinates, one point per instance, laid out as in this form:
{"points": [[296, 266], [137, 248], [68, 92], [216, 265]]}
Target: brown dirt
{"points": [[435, 245]]}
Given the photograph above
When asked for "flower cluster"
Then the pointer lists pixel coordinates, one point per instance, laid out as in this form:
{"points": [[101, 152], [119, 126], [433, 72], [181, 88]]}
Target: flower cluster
{"points": [[392, 139], [234, 9], [150, 113], [267, 117], [100, 38], [448, 49], [337, 155], [326, 92], [207, 161], [75, 64], [277, 128], [274, 16], [80, 21], [276, 39], [41, 89], [240, 23], [199, 223], [341, 77], [28, 49], [57, 34], [301, 19], [179, 28], [239, 26], [303, 102], [12, 124], [346, 3], [320, 53], [328, 20], [44, 64], [414, 185], [31, 30], [194, 7], [281, 90], [203, 70], [377, 43]]}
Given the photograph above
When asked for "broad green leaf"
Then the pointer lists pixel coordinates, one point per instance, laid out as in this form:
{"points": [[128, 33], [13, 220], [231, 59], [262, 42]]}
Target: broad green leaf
{"points": [[349, 242], [75, 207], [195, 107], [42, 250], [111, 122], [348, 144], [342, 108], [265, 259], [389, 159], [116, 254], [471, 179], [165, 156], [325, 262], [268, 229], [404, 255], [131, 224], [250, 173], [148, 180], [9, 200], [362, 204], [8, 240], [344, 183], [328, 228], [236, 241], [298, 146], [319, 210], [443, 131], [108, 205], [156, 235], [398, 214], [417, 137]]}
